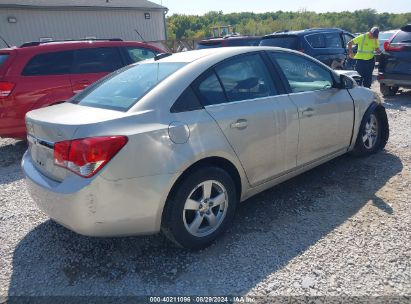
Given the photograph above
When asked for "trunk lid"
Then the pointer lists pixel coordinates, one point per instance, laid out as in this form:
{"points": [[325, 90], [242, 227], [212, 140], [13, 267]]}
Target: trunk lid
{"points": [[53, 124]]}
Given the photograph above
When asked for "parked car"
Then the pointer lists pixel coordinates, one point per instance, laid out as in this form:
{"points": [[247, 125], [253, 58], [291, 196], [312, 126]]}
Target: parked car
{"points": [[329, 45], [395, 63], [383, 37], [174, 143], [37, 75], [228, 41]]}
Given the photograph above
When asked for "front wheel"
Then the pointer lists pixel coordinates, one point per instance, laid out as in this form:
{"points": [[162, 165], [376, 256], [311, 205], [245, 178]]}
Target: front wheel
{"points": [[373, 133], [200, 208]]}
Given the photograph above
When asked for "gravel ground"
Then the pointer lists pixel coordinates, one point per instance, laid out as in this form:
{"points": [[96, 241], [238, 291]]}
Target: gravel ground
{"points": [[343, 228]]}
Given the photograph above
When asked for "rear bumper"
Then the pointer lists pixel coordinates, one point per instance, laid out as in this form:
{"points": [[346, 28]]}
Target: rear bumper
{"points": [[100, 207], [399, 80]]}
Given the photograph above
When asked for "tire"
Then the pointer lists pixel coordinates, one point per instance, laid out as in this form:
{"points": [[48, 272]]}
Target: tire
{"points": [[387, 91], [373, 133], [193, 218]]}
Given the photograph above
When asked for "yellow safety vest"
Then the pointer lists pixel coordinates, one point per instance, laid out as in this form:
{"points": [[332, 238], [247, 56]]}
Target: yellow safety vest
{"points": [[366, 47]]}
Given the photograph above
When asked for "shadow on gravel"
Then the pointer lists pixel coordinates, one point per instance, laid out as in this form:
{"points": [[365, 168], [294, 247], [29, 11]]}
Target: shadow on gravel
{"points": [[400, 101], [12, 153], [10, 157], [269, 231]]}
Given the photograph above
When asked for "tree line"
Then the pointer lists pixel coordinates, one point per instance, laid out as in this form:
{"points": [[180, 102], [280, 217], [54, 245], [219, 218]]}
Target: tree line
{"points": [[198, 27]]}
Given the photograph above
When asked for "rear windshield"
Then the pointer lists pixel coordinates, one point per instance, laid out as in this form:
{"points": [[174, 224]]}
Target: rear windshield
{"points": [[122, 89], [288, 42], [243, 42], [402, 37], [3, 58], [201, 46], [386, 35]]}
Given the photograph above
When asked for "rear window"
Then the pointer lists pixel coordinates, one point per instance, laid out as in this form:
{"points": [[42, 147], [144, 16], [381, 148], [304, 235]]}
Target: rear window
{"points": [[201, 46], [3, 58], [288, 42], [121, 90], [402, 37], [325, 40], [97, 60], [243, 42], [57, 63]]}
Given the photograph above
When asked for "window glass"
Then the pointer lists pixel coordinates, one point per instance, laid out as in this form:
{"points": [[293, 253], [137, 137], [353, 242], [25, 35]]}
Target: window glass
{"points": [[211, 91], [245, 77], [316, 40], [288, 42], [243, 42], [139, 54], [188, 101], [201, 46], [124, 88], [97, 60], [303, 74], [347, 38], [3, 58], [333, 40], [49, 64], [402, 37]]}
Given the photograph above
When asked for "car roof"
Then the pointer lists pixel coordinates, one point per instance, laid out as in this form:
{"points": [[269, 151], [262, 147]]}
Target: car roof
{"points": [[220, 53], [303, 32], [229, 38], [71, 45]]}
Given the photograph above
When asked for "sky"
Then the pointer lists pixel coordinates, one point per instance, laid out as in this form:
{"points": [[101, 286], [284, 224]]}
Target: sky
{"points": [[199, 7]]}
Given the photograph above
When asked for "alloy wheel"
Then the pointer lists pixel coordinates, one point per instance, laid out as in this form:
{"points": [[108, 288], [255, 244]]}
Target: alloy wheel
{"points": [[205, 208], [370, 134]]}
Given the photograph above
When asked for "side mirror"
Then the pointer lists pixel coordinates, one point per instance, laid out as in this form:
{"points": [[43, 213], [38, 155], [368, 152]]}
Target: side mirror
{"points": [[346, 82]]}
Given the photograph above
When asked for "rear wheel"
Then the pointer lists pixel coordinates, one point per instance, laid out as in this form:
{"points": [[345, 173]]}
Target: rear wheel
{"points": [[373, 134], [200, 209], [387, 90]]}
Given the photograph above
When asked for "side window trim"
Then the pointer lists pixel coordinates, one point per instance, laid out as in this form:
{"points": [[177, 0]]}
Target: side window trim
{"points": [[275, 75]]}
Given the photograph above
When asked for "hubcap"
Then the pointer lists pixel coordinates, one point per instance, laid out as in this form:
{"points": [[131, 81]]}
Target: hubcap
{"points": [[370, 134], [205, 208]]}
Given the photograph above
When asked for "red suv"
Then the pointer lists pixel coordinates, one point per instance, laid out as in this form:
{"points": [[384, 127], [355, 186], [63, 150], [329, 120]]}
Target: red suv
{"points": [[37, 75]]}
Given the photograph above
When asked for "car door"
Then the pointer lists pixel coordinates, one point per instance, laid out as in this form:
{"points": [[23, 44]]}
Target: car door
{"points": [[326, 113], [92, 64], [260, 124]]}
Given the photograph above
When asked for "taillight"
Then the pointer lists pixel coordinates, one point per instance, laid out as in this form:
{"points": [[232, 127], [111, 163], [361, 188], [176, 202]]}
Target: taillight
{"points": [[87, 156], [390, 48], [380, 76], [6, 88]]}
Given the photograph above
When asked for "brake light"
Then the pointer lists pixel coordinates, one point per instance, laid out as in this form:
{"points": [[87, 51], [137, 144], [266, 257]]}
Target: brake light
{"points": [[380, 76], [85, 157], [389, 48], [6, 88]]}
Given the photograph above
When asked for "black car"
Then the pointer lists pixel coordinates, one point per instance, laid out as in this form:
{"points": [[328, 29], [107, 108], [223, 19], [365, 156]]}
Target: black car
{"points": [[228, 41], [395, 63], [328, 45]]}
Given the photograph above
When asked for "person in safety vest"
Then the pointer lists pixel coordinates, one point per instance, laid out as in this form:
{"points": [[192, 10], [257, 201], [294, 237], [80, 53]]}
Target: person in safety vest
{"points": [[367, 45]]}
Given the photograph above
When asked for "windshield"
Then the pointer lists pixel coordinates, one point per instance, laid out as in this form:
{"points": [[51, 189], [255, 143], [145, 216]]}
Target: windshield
{"points": [[120, 91], [3, 58], [288, 42]]}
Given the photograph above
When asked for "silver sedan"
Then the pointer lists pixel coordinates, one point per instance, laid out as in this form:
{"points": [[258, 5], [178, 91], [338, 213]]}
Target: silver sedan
{"points": [[172, 144]]}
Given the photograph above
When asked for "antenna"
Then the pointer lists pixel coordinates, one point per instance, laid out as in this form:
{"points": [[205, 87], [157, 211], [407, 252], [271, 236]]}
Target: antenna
{"points": [[5, 42], [140, 35]]}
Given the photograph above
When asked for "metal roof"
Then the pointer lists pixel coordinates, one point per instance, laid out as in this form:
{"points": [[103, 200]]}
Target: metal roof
{"points": [[90, 4]]}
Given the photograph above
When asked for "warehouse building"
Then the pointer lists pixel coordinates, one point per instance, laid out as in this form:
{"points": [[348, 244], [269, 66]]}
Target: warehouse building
{"points": [[41, 20]]}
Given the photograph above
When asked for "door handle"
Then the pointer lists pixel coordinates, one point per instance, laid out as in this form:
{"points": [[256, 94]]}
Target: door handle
{"points": [[308, 112], [240, 124]]}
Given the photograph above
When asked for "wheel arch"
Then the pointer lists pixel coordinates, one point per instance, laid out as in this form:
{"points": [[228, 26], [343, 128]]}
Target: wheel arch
{"points": [[216, 161]]}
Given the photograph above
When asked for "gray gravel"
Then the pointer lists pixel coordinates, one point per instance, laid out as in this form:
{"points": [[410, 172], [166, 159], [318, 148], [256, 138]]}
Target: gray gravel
{"points": [[341, 229]]}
